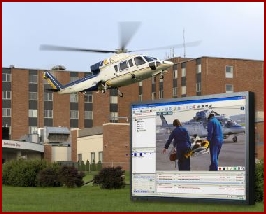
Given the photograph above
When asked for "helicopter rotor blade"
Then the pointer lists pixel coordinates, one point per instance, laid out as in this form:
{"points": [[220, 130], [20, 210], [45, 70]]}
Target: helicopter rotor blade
{"points": [[45, 47], [127, 31], [189, 44]]}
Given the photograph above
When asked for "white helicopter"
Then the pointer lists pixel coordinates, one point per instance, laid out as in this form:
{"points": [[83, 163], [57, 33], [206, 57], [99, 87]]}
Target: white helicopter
{"points": [[121, 69]]}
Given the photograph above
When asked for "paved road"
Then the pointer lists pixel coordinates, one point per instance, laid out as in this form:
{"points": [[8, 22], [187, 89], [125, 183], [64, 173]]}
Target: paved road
{"points": [[232, 154]]}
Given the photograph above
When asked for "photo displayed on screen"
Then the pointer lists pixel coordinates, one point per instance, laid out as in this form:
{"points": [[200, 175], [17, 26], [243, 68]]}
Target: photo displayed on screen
{"points": [[193, 116], [203, 165]]}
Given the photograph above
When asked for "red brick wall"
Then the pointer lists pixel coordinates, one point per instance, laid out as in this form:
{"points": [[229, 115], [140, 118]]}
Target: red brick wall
{"points": [[146, 89], [116, 145], [101, 108], [248, 75], [40, 99], [130, 94], [48, 153], [61, 104], [20, 103], [74, 134]]}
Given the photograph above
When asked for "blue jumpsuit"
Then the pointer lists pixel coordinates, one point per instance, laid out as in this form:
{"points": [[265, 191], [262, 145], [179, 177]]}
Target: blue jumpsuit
{"points": [[215, 137], [182, 144]]}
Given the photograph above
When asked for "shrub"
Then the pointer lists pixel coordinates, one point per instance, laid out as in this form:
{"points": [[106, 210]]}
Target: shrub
{"points": [[70, 176], [22, 173], [93, 166], [48, 177], [259, 181], [99, 166], [110, 178]]}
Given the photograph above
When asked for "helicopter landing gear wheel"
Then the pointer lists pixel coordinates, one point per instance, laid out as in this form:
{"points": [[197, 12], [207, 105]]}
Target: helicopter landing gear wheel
{"points": [[234, 139]]}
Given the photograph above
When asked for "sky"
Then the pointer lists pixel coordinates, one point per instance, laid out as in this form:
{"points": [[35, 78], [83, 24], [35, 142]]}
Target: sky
{"points": [[225, 29]]}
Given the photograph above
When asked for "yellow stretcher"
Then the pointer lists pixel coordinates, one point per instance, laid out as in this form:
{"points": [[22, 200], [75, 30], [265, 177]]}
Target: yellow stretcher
{"points": [[199, 146]]}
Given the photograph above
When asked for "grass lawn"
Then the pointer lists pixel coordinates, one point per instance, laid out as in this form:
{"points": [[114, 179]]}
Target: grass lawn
{"points": [[91, 198]]}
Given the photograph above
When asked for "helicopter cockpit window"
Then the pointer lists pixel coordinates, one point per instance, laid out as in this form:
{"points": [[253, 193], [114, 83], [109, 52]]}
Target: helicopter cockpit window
{"points": [[230, 123], [149, 59], [116, 69], [123, 65], [139, 60], [130, 62]]}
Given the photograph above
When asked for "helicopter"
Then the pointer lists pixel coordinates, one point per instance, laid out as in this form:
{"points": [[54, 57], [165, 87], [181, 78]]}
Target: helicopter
{"points": [[197, 127], [121, 69]]}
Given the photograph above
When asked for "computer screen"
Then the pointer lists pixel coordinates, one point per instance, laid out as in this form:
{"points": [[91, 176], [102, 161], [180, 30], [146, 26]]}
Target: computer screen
{"points": [[155, 177]]}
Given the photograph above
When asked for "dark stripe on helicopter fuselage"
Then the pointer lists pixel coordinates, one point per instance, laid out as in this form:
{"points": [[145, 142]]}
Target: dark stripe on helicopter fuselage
{"points": [[83, 79]]}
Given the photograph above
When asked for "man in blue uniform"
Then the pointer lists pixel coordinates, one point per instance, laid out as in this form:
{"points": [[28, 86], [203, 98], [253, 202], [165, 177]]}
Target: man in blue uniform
{"points": [[181, 143], [215, 137]]}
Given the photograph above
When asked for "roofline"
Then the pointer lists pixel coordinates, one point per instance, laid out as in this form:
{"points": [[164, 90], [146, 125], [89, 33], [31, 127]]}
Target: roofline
{"points": [[185, 60]]}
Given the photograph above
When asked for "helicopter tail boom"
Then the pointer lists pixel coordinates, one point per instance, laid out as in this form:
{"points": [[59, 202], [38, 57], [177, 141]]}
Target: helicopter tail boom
{"points": [[52, 81]]}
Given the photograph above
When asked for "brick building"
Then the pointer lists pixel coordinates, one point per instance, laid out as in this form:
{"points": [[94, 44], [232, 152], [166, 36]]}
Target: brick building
{"points": [[26, 105]]}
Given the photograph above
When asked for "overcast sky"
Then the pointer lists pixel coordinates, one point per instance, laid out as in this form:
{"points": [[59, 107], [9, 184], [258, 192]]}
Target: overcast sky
{"points": [[233, 30]]}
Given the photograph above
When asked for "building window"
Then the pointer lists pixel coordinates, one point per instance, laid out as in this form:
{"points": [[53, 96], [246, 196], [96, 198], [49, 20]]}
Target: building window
{"points": [[48, 96], [79, 157], [6, 95], [113, 116], [6, 77], [88, 98], [88, 115], [74, 114], [229, 71], [183, 69], [114, 99], [229, 88], [92, 157], [73, 98], [160, 94], [6, 112], [183, 72], [153, 80], [153, 95], [33, 129], [198, 87], [198, 68], [183, 90], [174, 74], [175, 92], [72, 79], [33, 95], [100, 157], [140, 97], [33, 113], [33, 79], [48, 113]]}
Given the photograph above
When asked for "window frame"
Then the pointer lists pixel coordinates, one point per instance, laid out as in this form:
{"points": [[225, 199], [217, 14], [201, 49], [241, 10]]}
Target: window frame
{"points": [[6, 95], [229, 73], [6, 112]]}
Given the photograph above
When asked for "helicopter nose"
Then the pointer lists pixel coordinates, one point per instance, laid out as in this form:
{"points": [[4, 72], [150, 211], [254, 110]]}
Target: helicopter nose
{"points": [[167, 64]]}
